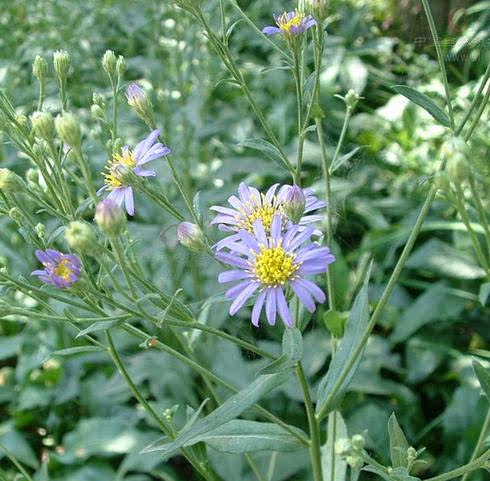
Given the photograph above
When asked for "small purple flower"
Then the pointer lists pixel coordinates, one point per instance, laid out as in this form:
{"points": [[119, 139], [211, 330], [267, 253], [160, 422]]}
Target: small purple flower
{"points": [[135, 94], [251, 205], [292, 23], [191, 236], [269, 264], [60, 270], [116, 179]]}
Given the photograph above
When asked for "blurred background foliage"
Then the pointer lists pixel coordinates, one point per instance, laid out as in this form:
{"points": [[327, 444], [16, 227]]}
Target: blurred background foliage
{"points": [[73, 418]]}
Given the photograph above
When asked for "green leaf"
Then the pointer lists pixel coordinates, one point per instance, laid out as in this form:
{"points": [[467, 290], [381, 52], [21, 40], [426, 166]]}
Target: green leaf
{"points": [[292, 351], [335, 322], [229, 410], [266, 148], [398, 443], [484, 293], [398, 474], [483, 376], [239, 436], [423, 101], [328, 450], [343, 159], [356, 325], [100, 326], [72, 351]]}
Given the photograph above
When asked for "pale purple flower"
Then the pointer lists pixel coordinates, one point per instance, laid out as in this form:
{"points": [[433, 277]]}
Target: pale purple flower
{"points": [[292, 23], [269, 264], [135, 94], [117, 180], [251, 205], [60, 270], [191, 236]]}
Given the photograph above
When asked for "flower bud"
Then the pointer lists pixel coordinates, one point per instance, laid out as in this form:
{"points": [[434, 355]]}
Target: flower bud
{"points": [[43, 125], [10, 182], [343, 447], [319, 8], [294, 203], [68, 129], [39, 68], [121, 66], [80, 237], [97, 112], [32, 176], [109, 61], [351, 99], [358, 441], [412, 454], [110, 218], [16, 216], [98, 99], [355, 462], [139, 101], [454, 153], [61, 62], [41, 231], [23, 121], [191, 236]]}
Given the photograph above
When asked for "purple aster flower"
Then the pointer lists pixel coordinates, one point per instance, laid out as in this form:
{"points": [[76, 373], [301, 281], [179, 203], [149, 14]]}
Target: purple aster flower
{"points": [[251, 205], [291, 23], [60, 270], [271, 263], [117, 180], [135, 94]]}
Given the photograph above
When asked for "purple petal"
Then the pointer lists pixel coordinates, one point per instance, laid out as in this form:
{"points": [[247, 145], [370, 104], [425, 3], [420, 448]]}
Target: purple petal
{"points": [[155, 152], [231, 276], [276, 227], [270, 193], [313, 289], [249, 240], [283, 308], [144, 173], [143, 146], [235, 202], [300, 238], [271, 30], [129, 200], [319, 255], [260, 233], [224, 242], [243, 297], [232, 260], [303, 295], [235, 290], [270, 306], [257, 309]]}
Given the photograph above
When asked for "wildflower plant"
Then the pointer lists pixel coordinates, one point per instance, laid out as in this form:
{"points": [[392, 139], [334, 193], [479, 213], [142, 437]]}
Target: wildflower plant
{"points": [[276, 243]]}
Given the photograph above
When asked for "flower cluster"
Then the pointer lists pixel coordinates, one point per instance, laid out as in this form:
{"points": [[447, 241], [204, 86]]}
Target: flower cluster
{"points": [[270, 253], [121, 167], [290, 24]]}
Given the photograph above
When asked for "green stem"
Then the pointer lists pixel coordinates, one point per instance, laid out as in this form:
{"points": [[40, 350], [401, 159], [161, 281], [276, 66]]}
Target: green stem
{"points": [[323, 410], [480, 442], [315, 447], [440, 59], [298, 80], [467, 468], [480, 208], [16, 463], [478, 115], [119, 250], [343, 133]]}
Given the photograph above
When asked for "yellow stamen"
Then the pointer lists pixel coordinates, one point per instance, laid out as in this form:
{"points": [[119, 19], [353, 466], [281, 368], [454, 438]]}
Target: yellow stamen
{"points": [[63, 270], [112, 178], [256, 210], [274, 266], [286, 24]]}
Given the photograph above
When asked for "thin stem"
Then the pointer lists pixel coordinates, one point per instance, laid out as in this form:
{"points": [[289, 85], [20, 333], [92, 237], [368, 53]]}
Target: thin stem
{"points": [[315, 447], [16, 463], [440, 59], [480, 208], [298, 80], [118, 249], [480, 442], [343, 133], [478, 115], [467, 468], [475, 101], [324, 409]]}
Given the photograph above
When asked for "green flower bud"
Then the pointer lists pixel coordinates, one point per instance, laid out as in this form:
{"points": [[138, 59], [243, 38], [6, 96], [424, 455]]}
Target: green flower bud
{"points": [[41, 231], [454, 152], [358, 441], [43, 125], [61, 62], [98, 99], [16, 216], [139, 101], [319, 8], [110, 218], [191, 236], [23, 121], [109, 61], [121, 66], [68, 129], [32, 176], [97, 112], [412, 454], [81, 237], [355, 462], [10, 182], [351, 99], [343, 447], [39, 68]]}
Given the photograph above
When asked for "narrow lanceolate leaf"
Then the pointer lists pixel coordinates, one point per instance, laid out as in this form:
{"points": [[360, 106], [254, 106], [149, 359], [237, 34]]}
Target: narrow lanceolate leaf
{"points": [[292, 351], [343, 159], [266, 148], [398, 443], [356, 325], [483, 376], [72, 351], [100, 326], [484, 293], [398, 474], [423, 101], [229, 410], [239, 436], [334, 467]]}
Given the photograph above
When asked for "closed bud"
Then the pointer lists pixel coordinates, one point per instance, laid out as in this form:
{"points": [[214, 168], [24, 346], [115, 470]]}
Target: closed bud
{"points": [[22, 121], [110, 218], [343, 446], [80, 237], [454, 153], [41, 231], [355, 462], [32, 176], [139, 101], [43, 125], [412, 454], [109, 61], [319, 9], [98, 99], [294, 203], [16, 216], [10, 182], [191, 236], [351, 99], [97, 112], [358, 441], [121, 66], [68, 129], [39, 68], [61, 62]]}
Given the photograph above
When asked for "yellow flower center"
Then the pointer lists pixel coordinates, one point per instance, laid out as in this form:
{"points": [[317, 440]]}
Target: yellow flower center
{"points": [[274, 266], [256, 210], [63, 270], [112, 178], [285, 23]]}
